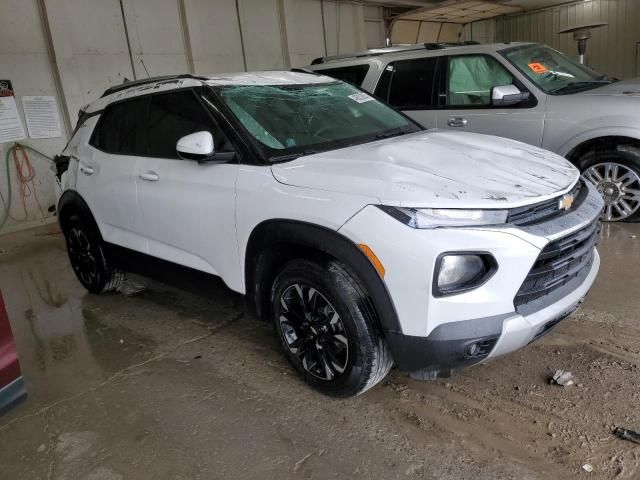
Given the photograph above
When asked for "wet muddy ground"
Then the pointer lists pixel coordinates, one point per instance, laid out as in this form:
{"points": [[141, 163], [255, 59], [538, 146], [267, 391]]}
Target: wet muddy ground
{"points": [[161, 382]]}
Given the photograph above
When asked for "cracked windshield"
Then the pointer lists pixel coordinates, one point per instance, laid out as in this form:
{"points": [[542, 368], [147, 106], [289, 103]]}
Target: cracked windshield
{"points": [[293, 120], [554, 72]]}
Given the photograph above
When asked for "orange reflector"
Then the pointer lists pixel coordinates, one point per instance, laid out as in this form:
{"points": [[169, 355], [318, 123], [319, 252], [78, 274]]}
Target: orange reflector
{"points": [[372, 258]]}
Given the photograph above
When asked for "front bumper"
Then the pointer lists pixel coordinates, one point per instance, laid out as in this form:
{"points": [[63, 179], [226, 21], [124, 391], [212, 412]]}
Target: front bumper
{"points": [[520, 330], [435, 333], [447, 347]]}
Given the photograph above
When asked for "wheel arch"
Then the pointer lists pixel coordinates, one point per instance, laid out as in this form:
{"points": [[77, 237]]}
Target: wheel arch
{"points": [[72, 202], [274, 242], [601, 142]]}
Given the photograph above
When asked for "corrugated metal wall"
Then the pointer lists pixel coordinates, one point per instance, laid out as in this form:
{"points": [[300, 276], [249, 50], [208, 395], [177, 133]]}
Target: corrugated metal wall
{"points": [[612, 50]]}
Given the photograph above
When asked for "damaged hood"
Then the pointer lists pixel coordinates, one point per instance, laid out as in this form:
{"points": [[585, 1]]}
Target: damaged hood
{"points": [[436, 169]]}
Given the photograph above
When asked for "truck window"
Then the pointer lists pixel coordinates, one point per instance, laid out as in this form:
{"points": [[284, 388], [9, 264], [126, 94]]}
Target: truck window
{"points": [[353, 75], [471, 78], [409, 84]]}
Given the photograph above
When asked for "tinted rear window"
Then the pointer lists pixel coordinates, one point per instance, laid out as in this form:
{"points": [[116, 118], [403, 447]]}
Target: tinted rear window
{"points": [[353, 75], [409, 84], [121, 129]]}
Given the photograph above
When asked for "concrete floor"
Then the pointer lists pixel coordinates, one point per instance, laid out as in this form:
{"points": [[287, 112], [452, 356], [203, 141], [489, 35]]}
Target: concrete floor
{"points": [[168, 383]]}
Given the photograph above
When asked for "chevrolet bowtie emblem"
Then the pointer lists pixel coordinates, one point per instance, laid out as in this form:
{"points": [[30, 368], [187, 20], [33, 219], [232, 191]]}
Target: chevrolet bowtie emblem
{"points": [[566, 202]]}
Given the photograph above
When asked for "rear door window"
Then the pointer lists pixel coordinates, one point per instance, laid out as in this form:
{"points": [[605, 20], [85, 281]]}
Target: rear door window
{"points": [[121, 128], [409, 84], [354, 75]]}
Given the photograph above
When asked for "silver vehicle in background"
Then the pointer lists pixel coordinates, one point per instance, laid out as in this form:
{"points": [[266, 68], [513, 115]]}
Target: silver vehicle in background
{"points": [[525, 91]]}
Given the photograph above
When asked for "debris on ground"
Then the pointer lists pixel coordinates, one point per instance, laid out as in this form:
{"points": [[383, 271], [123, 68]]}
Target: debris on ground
{"points": [[587, 468], [300, 462], [563, 378], [626, 434]]}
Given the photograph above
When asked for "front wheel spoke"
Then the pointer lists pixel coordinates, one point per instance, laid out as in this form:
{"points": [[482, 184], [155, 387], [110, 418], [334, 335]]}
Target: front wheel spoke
{"points": [[312, 299], [628, 178], [338, 365], [593, 176], [300, 291], [340, 338], [608, 212], [631, 193], [291, 317], [625, 207], [326, 364]]}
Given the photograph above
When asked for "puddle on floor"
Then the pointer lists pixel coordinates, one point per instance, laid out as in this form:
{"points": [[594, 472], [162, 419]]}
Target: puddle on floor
{"points": [[63, 344]]}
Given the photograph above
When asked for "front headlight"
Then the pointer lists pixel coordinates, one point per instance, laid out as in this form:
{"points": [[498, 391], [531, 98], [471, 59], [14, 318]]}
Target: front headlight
{"points": [[446, 217]]}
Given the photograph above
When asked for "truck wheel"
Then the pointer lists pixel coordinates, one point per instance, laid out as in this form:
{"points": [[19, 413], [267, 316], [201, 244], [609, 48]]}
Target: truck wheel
{"points": [[325, 329], [615, 171], [87, 258]]}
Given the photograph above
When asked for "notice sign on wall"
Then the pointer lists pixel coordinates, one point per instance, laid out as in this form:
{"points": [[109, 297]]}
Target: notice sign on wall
{"points": [[11, 129], [41, 114]]}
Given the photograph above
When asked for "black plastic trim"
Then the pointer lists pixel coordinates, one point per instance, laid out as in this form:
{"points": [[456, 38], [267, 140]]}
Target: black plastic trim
{"points": [[446, 347], [282, 232]]}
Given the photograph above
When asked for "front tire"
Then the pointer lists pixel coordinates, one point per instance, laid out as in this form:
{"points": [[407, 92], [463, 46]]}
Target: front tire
{"points": [[326, 330], [615, 172], [86, 254]]}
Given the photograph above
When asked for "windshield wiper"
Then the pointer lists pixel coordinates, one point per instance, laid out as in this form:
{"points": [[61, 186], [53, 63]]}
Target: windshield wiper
{"points": [[293, 156], [578, 85], [391, 133]]}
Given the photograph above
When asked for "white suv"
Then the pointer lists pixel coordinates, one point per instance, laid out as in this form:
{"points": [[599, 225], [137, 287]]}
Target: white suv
{"points": [[524, 91], [365, 239]]}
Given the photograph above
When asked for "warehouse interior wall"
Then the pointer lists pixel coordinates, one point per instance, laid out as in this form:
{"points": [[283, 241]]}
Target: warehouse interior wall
{"points": [[415, 31], [613, 50], [75, 49]]}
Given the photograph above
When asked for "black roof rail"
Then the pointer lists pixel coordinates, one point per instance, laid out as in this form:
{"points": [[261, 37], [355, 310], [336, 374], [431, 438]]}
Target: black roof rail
{"points": [[405, 48], [304, 70], [135, 83]]}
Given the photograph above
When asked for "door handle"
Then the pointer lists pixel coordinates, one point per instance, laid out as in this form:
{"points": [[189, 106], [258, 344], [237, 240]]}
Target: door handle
{"points": [[87, 170], [150, 176], [457, 122]]}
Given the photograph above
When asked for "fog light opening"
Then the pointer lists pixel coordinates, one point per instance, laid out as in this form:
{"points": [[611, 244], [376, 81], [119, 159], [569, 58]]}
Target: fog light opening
{"points": [[458, 272]]}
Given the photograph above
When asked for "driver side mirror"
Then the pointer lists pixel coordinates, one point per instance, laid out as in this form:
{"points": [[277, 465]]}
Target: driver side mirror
{"points": [[506, 95], [200, 147]]}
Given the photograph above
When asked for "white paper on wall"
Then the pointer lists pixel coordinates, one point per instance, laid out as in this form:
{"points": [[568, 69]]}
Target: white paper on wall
{"points": [[41, 114], [11, 128]]}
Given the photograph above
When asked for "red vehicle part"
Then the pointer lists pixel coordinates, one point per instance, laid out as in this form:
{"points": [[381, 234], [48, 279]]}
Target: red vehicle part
{"points": [[12, 388]]}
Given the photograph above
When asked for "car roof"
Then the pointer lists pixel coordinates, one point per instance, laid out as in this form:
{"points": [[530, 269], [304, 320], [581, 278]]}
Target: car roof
{"points": [[174, 82], [412, 50]]}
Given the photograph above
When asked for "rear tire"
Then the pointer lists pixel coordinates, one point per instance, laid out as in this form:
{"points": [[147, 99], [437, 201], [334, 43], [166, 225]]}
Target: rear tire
{"points": [[326, 329], [86, 254], [615, 171]]}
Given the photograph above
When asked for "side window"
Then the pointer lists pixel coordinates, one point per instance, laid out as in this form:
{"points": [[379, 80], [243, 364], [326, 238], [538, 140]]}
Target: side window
{"points": [[409, 84], [353, 75], [171, 117], [121, 129], [471, 78]]}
